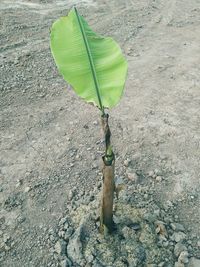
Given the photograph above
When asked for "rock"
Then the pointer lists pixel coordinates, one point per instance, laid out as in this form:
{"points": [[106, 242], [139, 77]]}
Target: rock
{"points": [[74, 248], [177, 227], [65, 226], [194, 262], [160, 228], [183, 258], [132, 176], [27, 189], [179, 247], [150, 217], [97, 264], [127, 232], [95, 123], [151, 174], [71, 195], [90, 258], [62, 221], [158, 179], [179, 264], [68, 233], [60, 247], [65, 263], [127, 162], [178, 236]]}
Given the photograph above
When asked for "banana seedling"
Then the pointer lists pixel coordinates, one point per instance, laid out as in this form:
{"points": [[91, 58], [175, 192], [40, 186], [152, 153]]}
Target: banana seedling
{"points": [[96, 69]]}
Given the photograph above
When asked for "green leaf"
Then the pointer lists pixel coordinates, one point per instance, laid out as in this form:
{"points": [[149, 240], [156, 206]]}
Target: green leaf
{"points": [[93, 65]]}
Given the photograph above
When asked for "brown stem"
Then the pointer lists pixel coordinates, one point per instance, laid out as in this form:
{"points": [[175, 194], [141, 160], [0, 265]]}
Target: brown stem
{"points": [[108, 179]]}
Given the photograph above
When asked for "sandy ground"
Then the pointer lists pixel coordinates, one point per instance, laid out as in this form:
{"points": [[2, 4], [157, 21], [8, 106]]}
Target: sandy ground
{"points": [[51, 140]]}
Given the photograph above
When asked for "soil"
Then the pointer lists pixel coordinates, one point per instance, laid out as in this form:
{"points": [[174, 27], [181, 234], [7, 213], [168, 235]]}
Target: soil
{"points": [[51, 142]]}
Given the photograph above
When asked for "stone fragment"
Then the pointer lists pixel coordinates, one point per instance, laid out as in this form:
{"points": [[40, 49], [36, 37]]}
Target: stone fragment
{"points": [[65, 263], [194, 262], [183, 258], [178, 236], [177, 227], [132, 176], [179, 264], [27, 189], [179, 247], [74, 248], [60, 247]]}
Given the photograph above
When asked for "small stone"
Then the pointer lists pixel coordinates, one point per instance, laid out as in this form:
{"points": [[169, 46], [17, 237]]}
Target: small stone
{"points": [[6, 237], [68, 233], [149, 217], [179, 264], [198, 243], [178, 236], [71, 195], [27, 189], [62, 221], [194, 262], [99, 184], [127, 232], [158, 178], [132, 176], [95, 123], [65, 263], [74, 248], [151, 174], [61, 234], [160, 228], [90, 258], [179, 247], [19, 183], [65, 226], [177, 227], [183, 258], [60, 247], [127, 162]]}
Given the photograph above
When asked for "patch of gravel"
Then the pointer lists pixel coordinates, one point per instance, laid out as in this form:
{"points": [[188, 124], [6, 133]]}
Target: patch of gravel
{"points": [[145, 235]]}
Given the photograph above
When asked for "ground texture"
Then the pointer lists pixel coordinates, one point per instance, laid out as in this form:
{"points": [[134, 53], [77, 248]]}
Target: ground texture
{"points": [[51, 143]]}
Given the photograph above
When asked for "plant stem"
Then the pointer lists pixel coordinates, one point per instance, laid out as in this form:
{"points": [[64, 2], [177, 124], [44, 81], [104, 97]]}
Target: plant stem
{"points": [[107, 224]]}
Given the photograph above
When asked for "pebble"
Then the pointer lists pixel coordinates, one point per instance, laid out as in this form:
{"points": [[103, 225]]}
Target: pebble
{"points": [[179, 264], [71, 195], [65, 263], [158, 178], [132, 176], [178, 236], [194, 262], [90, 258], [149, 217], [177, 227], [127, 232], [19, 183], [60, 247], [62, 221], [179, 247], [151, 174], [27, 189], [183, 258], [74, 248], [126, 162], [95, 123]]}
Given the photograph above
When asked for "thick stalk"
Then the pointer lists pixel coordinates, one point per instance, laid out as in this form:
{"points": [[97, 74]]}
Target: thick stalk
{"points": [[107, 223]]}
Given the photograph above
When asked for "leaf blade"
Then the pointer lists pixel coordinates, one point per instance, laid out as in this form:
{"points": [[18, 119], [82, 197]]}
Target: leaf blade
{"points": [[100, 81]]}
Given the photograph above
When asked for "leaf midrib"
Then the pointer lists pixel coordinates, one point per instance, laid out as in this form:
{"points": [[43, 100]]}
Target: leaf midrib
{"points": [[92, 67]]}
